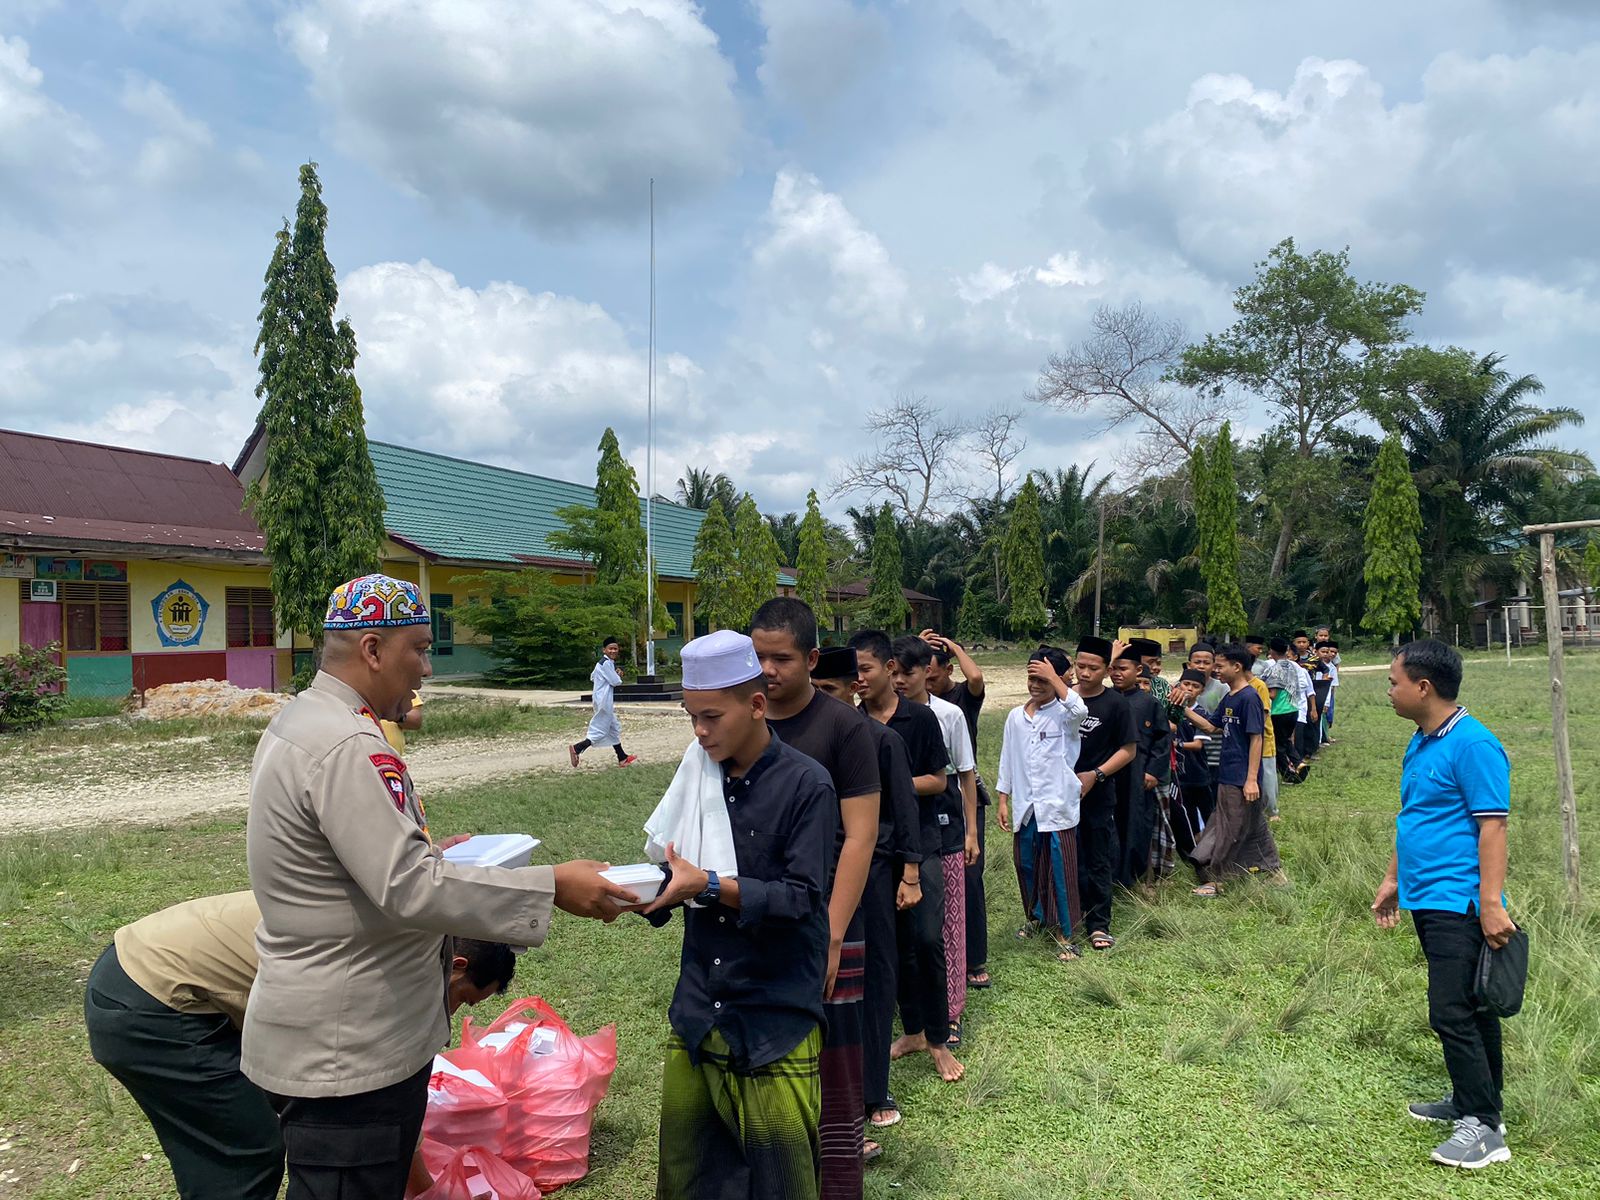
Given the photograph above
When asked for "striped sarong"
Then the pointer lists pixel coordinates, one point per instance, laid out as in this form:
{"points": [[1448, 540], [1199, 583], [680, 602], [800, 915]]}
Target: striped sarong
{"points": [[955, 931], [737, 1134], [843, 1098], [1047, 872]]}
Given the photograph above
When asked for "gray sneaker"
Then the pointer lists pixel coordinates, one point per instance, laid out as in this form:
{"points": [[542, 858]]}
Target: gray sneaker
{"points": [[1471, 1146], [1444, 1111]]}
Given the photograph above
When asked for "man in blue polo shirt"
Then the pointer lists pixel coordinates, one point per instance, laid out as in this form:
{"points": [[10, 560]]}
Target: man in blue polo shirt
{"points": [[1449, 871]]}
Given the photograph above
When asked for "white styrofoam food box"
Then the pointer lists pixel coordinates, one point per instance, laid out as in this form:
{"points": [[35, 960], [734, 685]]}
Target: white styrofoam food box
{"points": [[642, 879], [493, 850]]}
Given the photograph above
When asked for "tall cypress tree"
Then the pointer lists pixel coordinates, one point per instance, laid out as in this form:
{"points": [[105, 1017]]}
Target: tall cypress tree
{"points": [[757, 551], [1023, 555], [811, 569], [716, 571], [1391, 537], [317, 501], [1217, 507], [886, 602], [969, 621]]}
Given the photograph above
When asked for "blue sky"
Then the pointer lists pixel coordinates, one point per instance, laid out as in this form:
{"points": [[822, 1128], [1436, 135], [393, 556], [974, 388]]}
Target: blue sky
{"points": [[855, 201]]}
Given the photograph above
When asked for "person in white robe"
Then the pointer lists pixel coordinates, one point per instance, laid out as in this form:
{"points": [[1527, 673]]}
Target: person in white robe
{"points": [[604, 728]]}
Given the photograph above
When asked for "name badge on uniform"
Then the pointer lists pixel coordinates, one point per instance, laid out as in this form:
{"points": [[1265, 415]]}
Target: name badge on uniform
{"points": [[944, 818]]}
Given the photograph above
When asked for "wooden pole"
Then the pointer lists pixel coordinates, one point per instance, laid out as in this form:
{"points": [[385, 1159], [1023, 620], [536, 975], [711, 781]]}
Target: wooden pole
{"points": [[1558, 713]]}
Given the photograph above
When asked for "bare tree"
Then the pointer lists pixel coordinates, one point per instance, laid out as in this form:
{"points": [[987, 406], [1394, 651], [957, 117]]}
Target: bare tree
{"points": [[910, 461], [1121, 372], [997, 440]]}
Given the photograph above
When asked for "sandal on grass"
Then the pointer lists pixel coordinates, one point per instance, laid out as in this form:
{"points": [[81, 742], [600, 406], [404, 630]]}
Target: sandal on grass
{"points": [[1066, 952], [870, 1151], [954, 1040], [1207, 891], [1100, 940], [1026, 932], [979, 979], [887, 1116]]}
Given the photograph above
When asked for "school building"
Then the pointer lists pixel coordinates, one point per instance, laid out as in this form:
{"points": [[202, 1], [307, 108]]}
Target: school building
{"points": [[146, 569]]}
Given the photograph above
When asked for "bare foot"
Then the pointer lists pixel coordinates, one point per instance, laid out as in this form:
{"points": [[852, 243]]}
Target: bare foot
{"points": [[910, 1043], [945, 1063]]}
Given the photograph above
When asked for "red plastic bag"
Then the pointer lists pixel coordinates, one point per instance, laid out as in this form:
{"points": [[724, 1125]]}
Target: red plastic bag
{"points": [[550, 1097], [479, 1174], [465, 1112]]}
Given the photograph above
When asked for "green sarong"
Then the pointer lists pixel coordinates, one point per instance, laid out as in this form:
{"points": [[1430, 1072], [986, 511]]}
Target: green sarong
{"points": [[737, 1134]]}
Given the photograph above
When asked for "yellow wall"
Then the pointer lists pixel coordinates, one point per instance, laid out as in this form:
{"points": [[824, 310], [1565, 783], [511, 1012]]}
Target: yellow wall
{"points": [[10, 616], [1166, 635], [148, 578]]}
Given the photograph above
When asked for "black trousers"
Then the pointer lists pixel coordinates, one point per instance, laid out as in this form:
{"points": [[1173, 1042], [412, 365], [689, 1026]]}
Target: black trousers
{"points": [[215, 1126], [580, 747], [977, 906], [882, 977], [1451, 942], [1097, 859], [1289, 756], [1136, 826], [924, 984], [353, 1147]]}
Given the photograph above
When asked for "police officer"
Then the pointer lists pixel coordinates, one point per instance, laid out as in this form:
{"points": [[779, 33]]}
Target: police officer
{"points": [[348, 1007]]}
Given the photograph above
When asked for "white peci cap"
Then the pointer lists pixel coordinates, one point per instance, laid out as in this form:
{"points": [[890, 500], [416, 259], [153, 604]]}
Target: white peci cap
{"points": [[723, 659]]}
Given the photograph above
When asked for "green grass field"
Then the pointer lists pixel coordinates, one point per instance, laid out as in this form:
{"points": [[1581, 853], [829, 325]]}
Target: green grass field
{"points": [[1262, 1045]]}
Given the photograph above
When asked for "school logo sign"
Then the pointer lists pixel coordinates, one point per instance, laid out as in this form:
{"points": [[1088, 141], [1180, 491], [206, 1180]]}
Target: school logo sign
{"points": [[180, 614]]}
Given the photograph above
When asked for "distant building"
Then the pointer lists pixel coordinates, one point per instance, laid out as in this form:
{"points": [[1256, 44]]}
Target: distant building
{"points": [[146, 569]]}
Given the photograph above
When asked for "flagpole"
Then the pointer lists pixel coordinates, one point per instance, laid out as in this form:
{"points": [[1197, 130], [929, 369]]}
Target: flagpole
{"points": [[650, 464]]}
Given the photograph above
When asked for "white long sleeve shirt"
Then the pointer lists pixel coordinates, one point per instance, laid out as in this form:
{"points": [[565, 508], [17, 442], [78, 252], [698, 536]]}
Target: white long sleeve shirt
{"points": [[1037, 755]]}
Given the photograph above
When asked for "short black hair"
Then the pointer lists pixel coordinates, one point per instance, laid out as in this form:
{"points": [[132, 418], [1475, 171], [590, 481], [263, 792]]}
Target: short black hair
{"points": [[1328, 642], [1236, 653], [1278, 645], [610, 641], [1055, 656], [912, 652], [1434, 661], [940, 655], [786, 614], [489, 964], [1201, 648], [872, 641]]}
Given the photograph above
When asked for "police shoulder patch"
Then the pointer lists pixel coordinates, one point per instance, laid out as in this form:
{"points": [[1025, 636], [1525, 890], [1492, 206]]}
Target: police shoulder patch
{"points": [[393, 773]]}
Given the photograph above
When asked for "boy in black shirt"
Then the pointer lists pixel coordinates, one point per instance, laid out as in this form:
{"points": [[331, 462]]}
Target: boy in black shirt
{"points": [[1238, 837], [784, 631], [893, 883], [923, 984], [1136, 802], [1105, 748], [741, 1095], [967, 694]]}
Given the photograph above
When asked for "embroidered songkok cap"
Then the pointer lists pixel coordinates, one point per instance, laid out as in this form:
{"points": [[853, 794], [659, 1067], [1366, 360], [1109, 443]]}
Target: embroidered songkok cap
{"points": [[374, 602]]}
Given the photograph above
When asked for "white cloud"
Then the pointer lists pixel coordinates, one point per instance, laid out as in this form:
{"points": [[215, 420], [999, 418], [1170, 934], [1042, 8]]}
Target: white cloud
{"points": [[822, 261], [49, 157], [817, 51], [555, 114], [499, 373], [131, 370]]}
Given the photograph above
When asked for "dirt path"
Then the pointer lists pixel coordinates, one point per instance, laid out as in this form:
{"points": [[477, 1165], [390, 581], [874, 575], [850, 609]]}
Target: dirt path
{"points": [[133, 783]]}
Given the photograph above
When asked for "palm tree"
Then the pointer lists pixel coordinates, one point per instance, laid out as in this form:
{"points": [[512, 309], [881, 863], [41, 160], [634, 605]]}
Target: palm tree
{"points": [[786, 532], [1477, 450], [700, 486], [1069, 511]]}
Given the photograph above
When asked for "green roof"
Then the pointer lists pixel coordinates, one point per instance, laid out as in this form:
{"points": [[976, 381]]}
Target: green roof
{"points": [[465, 511]]}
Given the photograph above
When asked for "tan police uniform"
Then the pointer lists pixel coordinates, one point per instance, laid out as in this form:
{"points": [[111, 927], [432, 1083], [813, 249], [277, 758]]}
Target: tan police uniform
{"points": [[196, 957], [355, 903]]}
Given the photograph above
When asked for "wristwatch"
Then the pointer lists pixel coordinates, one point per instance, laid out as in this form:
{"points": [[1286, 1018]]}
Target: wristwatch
{"points": [[712, 893], [1099, 775]]}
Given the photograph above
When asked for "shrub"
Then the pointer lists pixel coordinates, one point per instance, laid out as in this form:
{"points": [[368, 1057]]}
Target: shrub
{"points": [[30, 687], [545, 633]]}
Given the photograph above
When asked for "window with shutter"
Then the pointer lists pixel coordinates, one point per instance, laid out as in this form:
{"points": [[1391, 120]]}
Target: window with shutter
{"points": [[249, 617]]}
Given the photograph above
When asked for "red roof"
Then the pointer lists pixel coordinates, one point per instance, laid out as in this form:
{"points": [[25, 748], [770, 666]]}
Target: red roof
{"points": [[58, 492]]}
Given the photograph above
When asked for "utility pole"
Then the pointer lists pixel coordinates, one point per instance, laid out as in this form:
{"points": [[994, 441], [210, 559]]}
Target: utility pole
{"points": [[1099, 565]]}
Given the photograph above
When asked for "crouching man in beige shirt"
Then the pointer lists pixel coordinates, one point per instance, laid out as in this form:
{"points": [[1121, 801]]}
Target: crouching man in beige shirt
{"points": [[348, 1007]]}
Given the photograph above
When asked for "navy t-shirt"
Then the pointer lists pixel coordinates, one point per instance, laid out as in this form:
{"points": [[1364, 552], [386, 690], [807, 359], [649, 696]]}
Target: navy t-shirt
{"points": [[1240, 715]]}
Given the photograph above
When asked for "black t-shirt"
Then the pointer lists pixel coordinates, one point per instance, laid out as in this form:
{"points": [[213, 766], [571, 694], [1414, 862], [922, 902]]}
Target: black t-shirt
{"points": [[1107, 729], [919, 729], [830, 732], [899, 827]]}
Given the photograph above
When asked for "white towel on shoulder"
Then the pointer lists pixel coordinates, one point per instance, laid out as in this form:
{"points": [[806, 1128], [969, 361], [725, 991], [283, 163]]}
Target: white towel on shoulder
{"points": [[694, 817]]}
